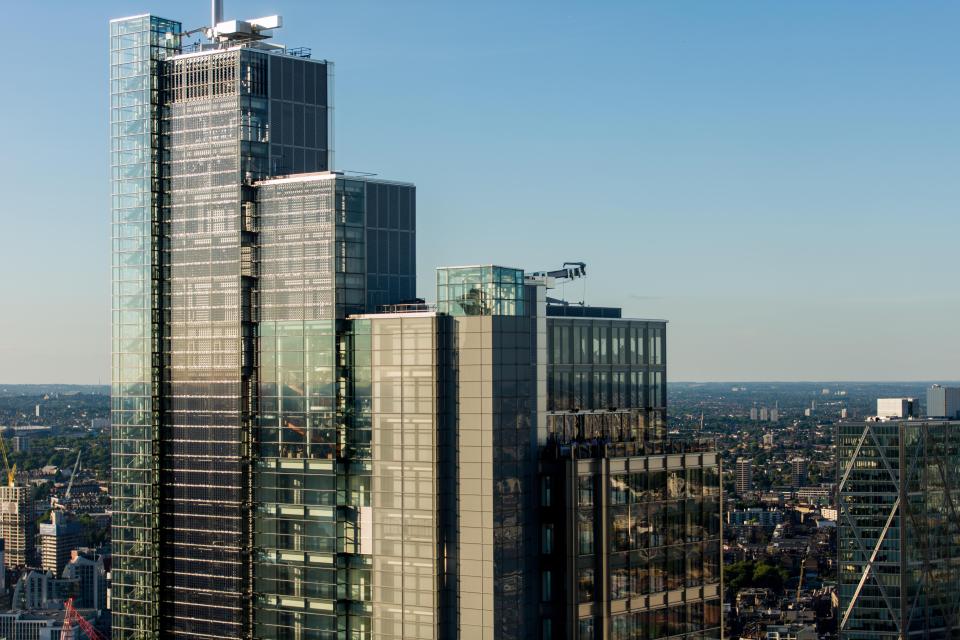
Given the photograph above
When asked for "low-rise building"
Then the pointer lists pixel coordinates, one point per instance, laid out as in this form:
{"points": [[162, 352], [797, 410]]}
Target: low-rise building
{"points": [[791, 632]]}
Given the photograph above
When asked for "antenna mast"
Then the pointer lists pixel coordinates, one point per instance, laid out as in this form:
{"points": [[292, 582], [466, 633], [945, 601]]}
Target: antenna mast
{"points": [[216, 13]]}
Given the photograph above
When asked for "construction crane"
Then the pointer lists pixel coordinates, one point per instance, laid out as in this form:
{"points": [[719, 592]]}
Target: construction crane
{"points": [[71, 617], [76, 468], [11, 471]]}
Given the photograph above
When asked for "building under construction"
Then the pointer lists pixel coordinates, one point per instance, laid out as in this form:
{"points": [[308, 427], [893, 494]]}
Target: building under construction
{"points": [[17, 526]]}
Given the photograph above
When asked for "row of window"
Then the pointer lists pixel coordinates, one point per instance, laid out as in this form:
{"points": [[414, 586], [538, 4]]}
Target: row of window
{"points": [[575, 389], [697, 620], [651, 486], [596, 342]]}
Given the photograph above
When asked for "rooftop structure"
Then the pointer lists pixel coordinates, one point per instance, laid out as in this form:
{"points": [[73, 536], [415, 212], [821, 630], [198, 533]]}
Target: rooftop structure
{"points": [[893, 408]]}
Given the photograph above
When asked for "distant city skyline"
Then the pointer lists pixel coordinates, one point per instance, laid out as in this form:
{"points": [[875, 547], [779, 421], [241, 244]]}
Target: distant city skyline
{"points": [[776, 181]]}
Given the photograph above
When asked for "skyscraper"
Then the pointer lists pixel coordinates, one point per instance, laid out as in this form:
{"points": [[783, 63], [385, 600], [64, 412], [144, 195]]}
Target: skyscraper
{"points": [[17, 526], [798, 471], [302, 449], [214, 257], [898, 529], [744, 475]]}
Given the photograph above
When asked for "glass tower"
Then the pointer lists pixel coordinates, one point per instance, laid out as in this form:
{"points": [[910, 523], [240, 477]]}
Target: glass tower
{"points": [[138, 47], [302, 450], [898, 534], [237, 256], [630, 527]]}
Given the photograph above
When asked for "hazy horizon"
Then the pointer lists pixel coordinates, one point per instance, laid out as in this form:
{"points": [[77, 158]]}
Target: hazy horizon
{"points": [[776, 180]]}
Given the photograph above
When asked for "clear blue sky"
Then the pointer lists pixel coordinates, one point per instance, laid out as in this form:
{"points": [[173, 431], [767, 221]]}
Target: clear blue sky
{"points": [[778, 179]]}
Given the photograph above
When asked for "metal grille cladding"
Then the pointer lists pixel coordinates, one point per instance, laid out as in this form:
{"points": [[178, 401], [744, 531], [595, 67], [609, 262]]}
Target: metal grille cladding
{"points": [[212, 110]]}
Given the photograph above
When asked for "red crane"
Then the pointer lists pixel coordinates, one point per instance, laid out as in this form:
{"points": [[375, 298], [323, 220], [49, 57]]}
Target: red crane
{"points": [[70, 616]]}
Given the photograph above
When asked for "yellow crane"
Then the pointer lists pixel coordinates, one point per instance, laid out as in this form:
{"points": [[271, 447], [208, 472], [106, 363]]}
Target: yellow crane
{"points": [[11, 472]]}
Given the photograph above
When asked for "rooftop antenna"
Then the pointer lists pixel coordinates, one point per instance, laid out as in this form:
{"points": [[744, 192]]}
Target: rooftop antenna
{"points": [[216, 17], [239, 30]]}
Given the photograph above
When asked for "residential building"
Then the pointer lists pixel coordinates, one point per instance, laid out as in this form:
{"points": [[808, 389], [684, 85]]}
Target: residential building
{"points": [[17, 526], [40, 625], [791, 632], [798, 471], [41, 590], [744, 475], [897, 531], [91, 581], [20, 444], [58, 538], [816, 495], [943, 402], [767, 518]]}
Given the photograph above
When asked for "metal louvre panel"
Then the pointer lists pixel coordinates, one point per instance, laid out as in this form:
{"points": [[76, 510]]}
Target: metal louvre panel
{"points": [[203, 468]]}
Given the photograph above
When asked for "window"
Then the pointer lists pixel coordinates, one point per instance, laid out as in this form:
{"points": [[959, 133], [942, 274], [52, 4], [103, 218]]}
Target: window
{"points": [[601, 389], [620, 524], [656, 346], [618, 489], [675, 568], [620, 583], [546, 496], [585, 629], [618, 346], [584, 533], [546, 539], [546, 586], [600, 335], [636, 345], [585, 491], [585, 585]]}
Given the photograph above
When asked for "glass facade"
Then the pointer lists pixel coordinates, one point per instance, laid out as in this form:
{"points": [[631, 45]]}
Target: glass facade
{"points": [[480, 291], [229, 397], [289, 463], [401, 369], [898, 531], [496, 476], [138, 46], [606, 379], [634, 518], [639, 540], [295, 480]]}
